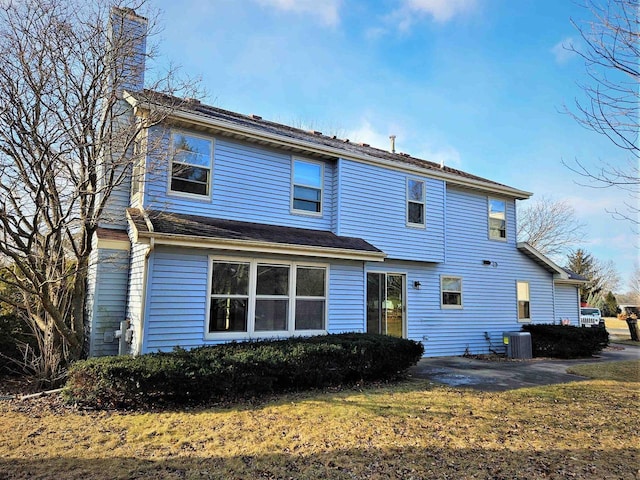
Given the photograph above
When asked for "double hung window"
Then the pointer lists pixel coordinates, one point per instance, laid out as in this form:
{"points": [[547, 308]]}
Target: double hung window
{"points": [[524, 305], [415, 203], [451, 292], [306, 191], [263, 298], [190, 164], [497, 219]]}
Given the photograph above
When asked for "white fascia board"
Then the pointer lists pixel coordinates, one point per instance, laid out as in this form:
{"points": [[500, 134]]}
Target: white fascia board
{"points": [[110, 244], [260, 247], [231, 127], [570, 281], [562, 275]]}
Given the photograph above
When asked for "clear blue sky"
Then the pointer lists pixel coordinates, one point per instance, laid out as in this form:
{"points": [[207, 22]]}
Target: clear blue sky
{"points": [[478, 84]]}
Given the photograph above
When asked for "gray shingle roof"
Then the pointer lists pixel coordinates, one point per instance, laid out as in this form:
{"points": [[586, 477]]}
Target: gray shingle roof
{"points": [[165, 223], [256, 123]]}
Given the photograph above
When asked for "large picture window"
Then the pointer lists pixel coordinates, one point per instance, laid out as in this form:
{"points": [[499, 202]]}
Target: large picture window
{"points": [[497, 219], [451, 292], [190, 164], [306, 190], [265, 299]]}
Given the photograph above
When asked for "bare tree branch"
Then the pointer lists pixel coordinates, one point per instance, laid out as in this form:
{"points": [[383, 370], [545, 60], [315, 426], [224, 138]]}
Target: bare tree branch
{"points": [[551, 227], [612, 105], [67, 142]]}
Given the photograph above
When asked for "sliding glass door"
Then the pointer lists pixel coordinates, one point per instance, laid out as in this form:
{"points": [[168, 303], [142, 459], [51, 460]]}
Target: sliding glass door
{"points": [[385, 303]]}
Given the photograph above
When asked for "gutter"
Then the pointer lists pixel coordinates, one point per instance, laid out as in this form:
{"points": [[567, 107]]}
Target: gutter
{"points": [[201, 120], [262, 247]]}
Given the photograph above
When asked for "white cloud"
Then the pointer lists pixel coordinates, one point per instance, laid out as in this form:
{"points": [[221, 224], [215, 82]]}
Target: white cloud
{"points": [[366, 133], [562, 51], [441, 11], [445, 155], [326, 11], [430, 151]]}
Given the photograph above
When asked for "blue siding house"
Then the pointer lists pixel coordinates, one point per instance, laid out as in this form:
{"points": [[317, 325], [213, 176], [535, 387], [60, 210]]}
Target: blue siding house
{"points": [[237, 228]]}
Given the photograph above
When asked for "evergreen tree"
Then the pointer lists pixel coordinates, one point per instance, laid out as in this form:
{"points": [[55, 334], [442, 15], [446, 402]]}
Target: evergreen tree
{"points": [[583, 263]]}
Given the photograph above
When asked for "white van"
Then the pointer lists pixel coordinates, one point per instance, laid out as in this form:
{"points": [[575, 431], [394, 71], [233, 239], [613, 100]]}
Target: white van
{"points": [[591, 317]]}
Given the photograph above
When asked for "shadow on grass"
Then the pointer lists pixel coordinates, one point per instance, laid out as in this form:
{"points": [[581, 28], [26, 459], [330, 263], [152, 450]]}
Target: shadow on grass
{"points": [[362, 463]]}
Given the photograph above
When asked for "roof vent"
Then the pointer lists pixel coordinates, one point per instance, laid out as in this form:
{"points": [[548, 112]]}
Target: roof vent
{"points": [[404, 154], [193, 101], [393, 143], [364, 144], [255, 117], [315, 132]]}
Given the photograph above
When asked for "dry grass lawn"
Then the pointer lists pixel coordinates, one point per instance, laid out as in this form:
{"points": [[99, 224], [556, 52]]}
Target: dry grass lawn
{"points": [[628, 371], [412, 430]]}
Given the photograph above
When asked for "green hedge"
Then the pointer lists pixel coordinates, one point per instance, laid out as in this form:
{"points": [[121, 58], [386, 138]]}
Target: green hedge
{"points": [[236, 370], [564, 341]]}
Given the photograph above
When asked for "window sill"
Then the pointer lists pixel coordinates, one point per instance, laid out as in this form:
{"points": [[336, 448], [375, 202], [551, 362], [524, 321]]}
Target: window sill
{"points": [[417, 226], [190, 196], [451, 307], [245, 336], [304, 213]]}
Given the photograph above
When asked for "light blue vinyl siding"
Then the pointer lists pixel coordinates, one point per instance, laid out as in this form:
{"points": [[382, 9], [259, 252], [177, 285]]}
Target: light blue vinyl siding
{"points": [[346, 298], [250, 183], [373, 207], [135, 299], [177, 296], [176, 308], [107, 283], [567, 304]]}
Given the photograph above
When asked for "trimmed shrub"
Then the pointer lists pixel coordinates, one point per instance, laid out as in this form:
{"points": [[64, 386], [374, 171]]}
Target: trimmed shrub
{"points": [[238, 370], [564, 341]]}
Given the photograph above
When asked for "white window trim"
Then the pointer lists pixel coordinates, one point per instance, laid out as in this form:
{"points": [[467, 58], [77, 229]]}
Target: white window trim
{"points": [[423, 203], [523, 320], [139, 169], [177, 193], [506, 221], [293, 184], [251, 333], [447, 306]]}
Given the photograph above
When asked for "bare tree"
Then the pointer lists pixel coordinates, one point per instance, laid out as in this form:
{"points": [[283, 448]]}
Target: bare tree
{"points": [[550, 226], [612, 104], [67, 142]]}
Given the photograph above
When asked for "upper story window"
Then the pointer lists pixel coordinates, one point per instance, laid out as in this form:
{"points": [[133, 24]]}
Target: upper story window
{"points": [[497, 219], [451, 292], [306, 191], [190, 164], [415, 203], [524, 305]]}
